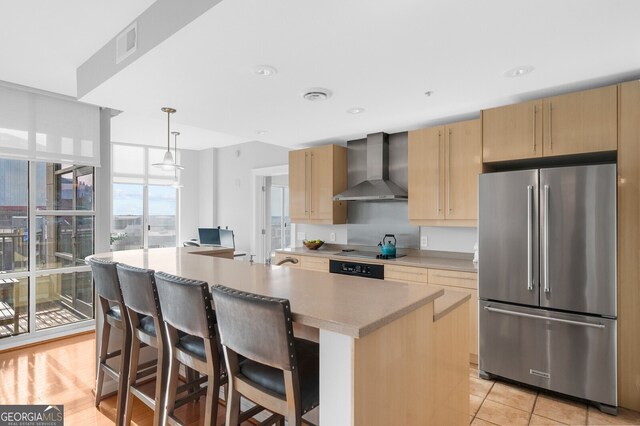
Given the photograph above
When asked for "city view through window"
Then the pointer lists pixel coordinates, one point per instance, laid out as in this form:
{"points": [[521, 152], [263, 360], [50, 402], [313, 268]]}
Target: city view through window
{"points": [[144, 202], [48, 250]]}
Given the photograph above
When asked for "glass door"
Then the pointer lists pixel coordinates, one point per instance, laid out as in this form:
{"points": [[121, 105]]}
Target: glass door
{"points": [[279, 221], [161, 224]]}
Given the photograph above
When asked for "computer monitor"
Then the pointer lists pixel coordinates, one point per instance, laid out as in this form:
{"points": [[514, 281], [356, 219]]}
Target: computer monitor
{"points": [[226, 238], [209, 236]]}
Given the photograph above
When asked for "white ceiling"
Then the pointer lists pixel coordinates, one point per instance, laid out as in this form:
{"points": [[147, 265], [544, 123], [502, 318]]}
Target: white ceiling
{"points": [[44, 41], [381, 56]]}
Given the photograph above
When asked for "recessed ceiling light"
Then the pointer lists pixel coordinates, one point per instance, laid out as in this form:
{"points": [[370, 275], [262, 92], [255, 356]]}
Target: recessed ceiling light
{"points": [[356, 110], [260, 132], [519, 71], [265, 71], [316, 94], [428, 93]]}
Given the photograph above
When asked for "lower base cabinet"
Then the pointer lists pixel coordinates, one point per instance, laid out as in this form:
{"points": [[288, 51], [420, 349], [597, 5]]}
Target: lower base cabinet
{"points": [[463, 282]]}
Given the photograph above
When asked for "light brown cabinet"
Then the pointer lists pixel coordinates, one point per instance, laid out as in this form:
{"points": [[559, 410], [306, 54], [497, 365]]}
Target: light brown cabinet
{"points": [[315, 176], [443, 166], [463, 282], [575, 123], [629, 247]]}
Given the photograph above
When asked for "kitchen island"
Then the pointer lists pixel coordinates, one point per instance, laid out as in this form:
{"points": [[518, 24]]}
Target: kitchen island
{"points": [[387, 356]]}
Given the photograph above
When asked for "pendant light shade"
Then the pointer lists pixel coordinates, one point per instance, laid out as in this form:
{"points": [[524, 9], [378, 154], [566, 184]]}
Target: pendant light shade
{"points": [[168, 163]]}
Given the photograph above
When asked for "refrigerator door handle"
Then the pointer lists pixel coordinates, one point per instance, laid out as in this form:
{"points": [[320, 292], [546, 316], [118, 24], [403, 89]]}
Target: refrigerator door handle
{"points": [[547, 287], [522, 314], [529, 238]]}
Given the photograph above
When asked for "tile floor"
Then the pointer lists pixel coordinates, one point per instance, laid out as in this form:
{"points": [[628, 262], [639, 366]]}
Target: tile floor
{"points": [[500, 403]]}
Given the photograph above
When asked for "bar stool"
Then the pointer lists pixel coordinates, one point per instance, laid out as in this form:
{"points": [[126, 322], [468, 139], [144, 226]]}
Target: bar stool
{"points": [[147, 329], [109, 298], [186, 307], [280, 372]]}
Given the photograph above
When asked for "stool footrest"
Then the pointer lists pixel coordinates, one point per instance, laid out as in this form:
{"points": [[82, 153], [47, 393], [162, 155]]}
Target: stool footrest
{"points": [[191, 397]]}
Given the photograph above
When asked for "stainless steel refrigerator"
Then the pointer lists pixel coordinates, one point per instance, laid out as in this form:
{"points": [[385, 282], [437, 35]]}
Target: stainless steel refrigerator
{"points": [[547, 279]]}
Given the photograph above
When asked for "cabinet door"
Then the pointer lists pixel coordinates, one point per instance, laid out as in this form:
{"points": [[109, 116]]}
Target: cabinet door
{"points": [[512, 132], [463, 165], [473, 318], [581, 122], [321, 182], [297, 185], [426, 174]]}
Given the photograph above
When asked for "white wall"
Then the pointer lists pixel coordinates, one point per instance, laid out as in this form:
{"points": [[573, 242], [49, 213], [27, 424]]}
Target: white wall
{"points": [[234, 182], [207, 189], [449, 238], [190, 195]]}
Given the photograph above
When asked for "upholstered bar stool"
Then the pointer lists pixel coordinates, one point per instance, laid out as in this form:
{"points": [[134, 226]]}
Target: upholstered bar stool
{"points": [[186, 307], [280, 372], [147, 329], [109, 298]]}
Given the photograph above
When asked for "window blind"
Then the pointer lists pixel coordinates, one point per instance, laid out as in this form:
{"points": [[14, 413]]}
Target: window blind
{"points": [[35, 126]]}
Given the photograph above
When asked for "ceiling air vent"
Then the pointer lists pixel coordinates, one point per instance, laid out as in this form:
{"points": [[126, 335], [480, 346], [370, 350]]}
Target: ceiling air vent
{"points": [[127, 42]]}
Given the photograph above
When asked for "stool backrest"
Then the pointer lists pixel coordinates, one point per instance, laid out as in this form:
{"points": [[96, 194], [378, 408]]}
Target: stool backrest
{"points": [[186, 305], [257, 327], [106, 280], [139, 289]]}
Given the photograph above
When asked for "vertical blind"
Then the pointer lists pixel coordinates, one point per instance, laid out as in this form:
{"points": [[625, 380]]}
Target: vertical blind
{"points": [[35, 126]]}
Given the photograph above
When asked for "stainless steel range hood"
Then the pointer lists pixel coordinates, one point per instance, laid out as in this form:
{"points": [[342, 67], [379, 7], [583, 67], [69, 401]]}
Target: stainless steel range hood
{"points": [[377, 186]]}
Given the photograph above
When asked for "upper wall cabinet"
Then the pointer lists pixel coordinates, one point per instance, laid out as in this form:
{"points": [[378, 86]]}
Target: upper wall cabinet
{"points": [[444, 163], [575, 123], [315, 176]]}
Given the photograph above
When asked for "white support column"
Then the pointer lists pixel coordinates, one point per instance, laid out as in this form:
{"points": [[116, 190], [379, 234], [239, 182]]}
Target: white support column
{"points": [[336, 379]]}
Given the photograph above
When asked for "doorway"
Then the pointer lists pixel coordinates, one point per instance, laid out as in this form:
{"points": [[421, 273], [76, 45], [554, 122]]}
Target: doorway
{"points": [[272, 228]]}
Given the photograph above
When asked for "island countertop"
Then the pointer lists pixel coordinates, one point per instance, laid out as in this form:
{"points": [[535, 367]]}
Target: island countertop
{"points": [[342, 304]]}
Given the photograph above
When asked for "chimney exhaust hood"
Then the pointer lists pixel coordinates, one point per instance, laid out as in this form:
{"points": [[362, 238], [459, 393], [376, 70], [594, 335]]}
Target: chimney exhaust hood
{"points": [[377, 186]]}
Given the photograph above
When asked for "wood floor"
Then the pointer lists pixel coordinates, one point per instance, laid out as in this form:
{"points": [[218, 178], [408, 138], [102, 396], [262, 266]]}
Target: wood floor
{"points": [[63, 371]]}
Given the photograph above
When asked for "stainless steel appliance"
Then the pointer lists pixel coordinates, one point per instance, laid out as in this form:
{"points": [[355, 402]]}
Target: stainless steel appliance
{"points": [[366, 270], [547, 279]]}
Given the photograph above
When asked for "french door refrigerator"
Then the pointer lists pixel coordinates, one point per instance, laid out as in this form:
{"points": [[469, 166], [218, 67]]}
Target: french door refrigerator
{"points": [[547, 279]]}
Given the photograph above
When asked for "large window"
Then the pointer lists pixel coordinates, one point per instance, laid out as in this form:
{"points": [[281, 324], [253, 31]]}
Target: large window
{"points": [[46, 230], [145, 204]]}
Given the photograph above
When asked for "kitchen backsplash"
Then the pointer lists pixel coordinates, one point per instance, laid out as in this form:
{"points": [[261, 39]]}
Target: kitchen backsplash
{"points": [[456, 239]]}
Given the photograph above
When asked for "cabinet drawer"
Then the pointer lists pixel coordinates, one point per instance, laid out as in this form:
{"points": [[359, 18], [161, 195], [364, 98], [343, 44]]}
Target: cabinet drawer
{"points": [[453, 278], [405, 273], [281, 256], [314, 263]]}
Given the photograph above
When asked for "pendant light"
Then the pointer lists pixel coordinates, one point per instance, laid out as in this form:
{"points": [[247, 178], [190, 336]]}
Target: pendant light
{"points": [[176, 183], [167, 162]]}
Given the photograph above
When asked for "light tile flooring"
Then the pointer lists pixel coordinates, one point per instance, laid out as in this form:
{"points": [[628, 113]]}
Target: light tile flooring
{"points": [[499, 403]]}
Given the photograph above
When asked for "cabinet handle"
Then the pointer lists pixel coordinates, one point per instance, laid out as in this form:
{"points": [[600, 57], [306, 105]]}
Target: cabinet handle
{"points": [[550, 126], [306, 187], [448, 154], [534, 128], [311, 181], [438, 198]]}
